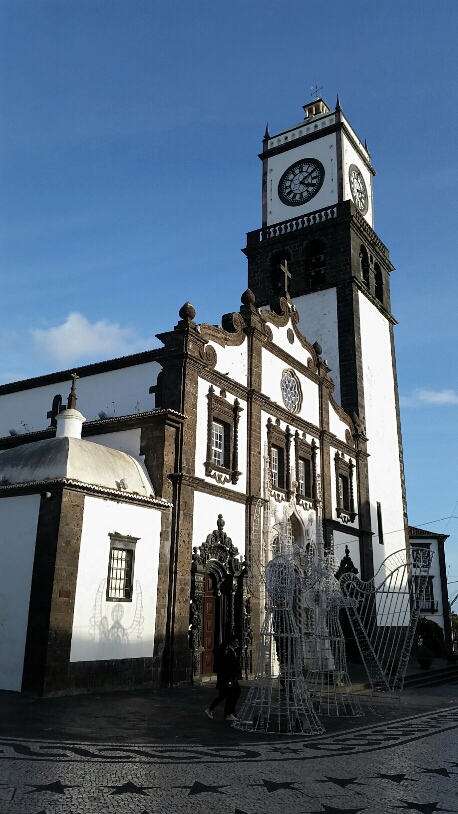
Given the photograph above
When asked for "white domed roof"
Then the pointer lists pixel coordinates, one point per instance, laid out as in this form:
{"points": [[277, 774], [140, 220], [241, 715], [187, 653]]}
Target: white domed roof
{"points": [[75, 460]]}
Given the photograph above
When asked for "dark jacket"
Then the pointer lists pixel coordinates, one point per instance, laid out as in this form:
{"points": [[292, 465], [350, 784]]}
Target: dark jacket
{"points": [[232, 671]]}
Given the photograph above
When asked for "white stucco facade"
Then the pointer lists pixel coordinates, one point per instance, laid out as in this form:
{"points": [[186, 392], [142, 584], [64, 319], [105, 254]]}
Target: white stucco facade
{"points": [[206, 510], [18, 531], [114, 392], [381, 429], [272, 370], [109, 629], [318, 321]]}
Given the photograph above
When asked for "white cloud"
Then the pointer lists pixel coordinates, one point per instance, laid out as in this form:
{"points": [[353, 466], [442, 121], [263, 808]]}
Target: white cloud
{"points": [[436, 397], [78, 339]]}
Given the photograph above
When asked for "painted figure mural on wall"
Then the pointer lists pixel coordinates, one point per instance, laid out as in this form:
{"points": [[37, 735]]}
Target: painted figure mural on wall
{"points": [[103, 629]]}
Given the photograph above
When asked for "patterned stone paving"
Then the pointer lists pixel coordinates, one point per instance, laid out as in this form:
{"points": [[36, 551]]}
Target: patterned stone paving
{"points": [[403, 765]]}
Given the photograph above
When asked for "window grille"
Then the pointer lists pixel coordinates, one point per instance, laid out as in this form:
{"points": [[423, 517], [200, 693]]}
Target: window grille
{"points": [[120, 574], [304, 477], [344, 492], [218, 443], [274, 465]]}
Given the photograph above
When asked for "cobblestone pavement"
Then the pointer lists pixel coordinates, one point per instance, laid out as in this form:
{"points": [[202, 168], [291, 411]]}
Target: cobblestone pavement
{"points": [[407, 764]]}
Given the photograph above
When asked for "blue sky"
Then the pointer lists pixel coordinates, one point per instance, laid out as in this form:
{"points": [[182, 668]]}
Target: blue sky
{"points": [[129, 141]]}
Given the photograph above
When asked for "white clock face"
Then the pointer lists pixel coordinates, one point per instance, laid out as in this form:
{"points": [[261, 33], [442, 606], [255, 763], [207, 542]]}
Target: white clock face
{"points": [[358, 189], [301, 182]]}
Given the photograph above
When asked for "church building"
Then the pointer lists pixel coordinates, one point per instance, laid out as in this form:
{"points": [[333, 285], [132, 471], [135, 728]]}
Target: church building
{"points": [[134, 529]]}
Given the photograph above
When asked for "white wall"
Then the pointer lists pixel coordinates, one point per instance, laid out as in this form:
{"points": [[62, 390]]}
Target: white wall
{"points": [[272, 371], [232, 361], [323, 149], [336, 425], [206, 511], [98, 633], [381, 430], [115, 392], [340, 541], [351, 156], [295, 349], [201, 436], [318, 322], [18, 531]]}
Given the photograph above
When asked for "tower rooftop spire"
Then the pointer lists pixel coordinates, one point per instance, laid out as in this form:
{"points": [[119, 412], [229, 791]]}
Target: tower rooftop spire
{"points": [[315, 108]]}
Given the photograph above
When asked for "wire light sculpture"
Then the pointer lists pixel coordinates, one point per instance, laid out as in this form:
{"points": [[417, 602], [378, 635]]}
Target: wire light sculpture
{"points": [[383, 613], [278, 700], [325, 661]]}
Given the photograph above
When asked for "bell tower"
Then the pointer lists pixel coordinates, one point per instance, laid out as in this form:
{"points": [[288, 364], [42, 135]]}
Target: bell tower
{"points": [[318, 215]]}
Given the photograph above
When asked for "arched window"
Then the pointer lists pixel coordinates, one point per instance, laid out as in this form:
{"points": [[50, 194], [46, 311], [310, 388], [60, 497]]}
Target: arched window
{"points": [[277, 277], [378, 282], [364, 265], [315, 263]]}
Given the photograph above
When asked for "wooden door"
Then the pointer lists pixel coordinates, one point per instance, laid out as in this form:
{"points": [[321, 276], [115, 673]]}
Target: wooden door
{"points": [[208, 626]]}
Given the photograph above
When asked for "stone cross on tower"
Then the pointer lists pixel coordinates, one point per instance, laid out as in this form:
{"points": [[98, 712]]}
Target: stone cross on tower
{"points": [[283, 269]]}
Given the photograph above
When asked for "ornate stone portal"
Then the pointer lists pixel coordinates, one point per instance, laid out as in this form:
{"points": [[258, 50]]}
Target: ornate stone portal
{"points": [[217, 558]]}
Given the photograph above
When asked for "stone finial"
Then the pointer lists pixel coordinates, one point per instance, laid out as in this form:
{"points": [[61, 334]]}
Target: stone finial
{"points": [[187, 312], [317, 348], [267, 134], [248, 297], [72, 398], [338, 103], [220, 523]]}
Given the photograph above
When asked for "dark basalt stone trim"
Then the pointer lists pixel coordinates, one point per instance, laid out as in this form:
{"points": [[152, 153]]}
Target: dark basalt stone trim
{"points": [[113, 674], [380, 307], [85, 370], [350, 530], [201, 485], [291, 361], [119, 496], [224, 383], [222, 336]]}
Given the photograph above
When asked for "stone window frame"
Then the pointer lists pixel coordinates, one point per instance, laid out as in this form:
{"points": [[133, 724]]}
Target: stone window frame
{"points": [[295, 377], [221, 411], [306, 451], [276, 437], [345, 468], [121, 542]]}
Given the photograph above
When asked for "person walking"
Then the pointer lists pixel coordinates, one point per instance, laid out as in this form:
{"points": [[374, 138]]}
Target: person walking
{"points": [[221, 685], [232, 673], [228, 673]]}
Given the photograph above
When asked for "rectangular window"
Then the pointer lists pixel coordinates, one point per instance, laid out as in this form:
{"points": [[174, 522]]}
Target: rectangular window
{"points": [[121, 568], [120, 574], [304, 477], [344, 493], [379, 523], [218, 443], [277, 464]]}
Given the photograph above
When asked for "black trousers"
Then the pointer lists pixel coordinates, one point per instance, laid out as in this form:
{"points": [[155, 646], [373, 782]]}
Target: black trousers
{"points": [[222, 695], [232, 696]]}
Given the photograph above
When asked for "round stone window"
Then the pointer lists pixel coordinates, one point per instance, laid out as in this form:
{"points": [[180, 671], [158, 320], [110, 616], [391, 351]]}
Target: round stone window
{"points": [[291, 391]]}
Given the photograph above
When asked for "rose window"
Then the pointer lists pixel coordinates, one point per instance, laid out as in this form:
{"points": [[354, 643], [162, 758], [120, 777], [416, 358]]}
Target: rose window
{"points": [[290, 390]]}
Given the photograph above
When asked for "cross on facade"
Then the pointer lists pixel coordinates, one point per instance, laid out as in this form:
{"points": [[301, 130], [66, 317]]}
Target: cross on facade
{"points": [[287, 275], [55, 410]]}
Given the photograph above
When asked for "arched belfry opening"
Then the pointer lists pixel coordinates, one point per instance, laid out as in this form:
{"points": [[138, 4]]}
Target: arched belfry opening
{"points": [[315, 262], [378, 278], [219, 603], [364, 265]]}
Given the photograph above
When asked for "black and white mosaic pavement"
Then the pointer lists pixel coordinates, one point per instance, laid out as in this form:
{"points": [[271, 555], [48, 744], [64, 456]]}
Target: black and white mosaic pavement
{"points": [[403, 765]]}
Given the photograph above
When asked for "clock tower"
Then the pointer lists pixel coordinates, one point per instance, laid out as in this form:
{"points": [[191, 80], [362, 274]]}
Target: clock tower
{"points": [[318, 216]]}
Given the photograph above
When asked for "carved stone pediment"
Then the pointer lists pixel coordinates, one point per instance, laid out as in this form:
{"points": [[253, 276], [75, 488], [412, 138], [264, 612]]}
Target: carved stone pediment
{"points": [[218, 546]]}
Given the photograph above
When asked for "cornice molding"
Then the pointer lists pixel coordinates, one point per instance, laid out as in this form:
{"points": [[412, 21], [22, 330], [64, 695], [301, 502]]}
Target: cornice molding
{"points": [[201, 485], [119, 495]]}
